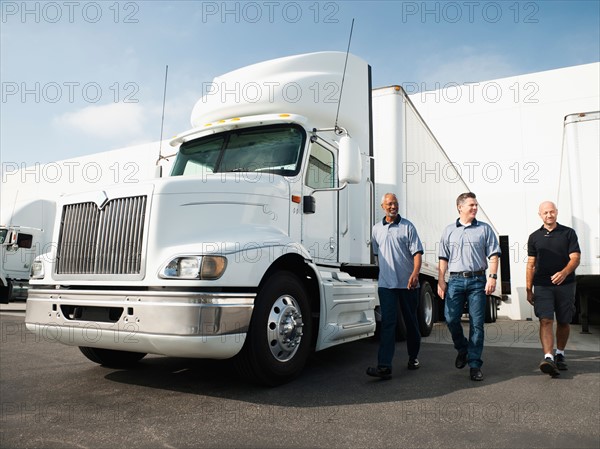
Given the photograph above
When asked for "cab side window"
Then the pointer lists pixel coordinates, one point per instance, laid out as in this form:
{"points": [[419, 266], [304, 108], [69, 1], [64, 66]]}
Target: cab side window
{"points": [[321, 168]]}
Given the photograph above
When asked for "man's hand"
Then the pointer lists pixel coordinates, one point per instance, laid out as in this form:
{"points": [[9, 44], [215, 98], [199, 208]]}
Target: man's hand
{"points": [[530, 298], [558, 278], [490, 286], [441, 288], [413, 281]]}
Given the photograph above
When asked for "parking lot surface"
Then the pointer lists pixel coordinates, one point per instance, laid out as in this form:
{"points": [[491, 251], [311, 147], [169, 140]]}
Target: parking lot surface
{"points": [[53, 397]]}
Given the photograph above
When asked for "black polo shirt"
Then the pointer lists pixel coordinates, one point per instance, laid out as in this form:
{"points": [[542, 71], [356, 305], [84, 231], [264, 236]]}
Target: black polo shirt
{"points": [[551, 250]]}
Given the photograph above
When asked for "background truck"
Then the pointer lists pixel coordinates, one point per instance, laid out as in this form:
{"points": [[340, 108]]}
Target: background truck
{"points": [[257, 246], [579, 205], [20, 245], [17, 251]]}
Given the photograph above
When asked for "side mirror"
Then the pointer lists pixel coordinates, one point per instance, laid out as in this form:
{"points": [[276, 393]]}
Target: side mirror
{"points": [[9, 238], [350, 166]]}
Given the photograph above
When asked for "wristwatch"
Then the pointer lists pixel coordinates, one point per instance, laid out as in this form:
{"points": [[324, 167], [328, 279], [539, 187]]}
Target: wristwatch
{"points": [[493, 276]]}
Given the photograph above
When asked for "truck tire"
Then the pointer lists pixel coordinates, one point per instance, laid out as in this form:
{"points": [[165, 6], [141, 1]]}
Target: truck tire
{"points": [[427, 311], [112, 358], [278, 341], [491, 310]]}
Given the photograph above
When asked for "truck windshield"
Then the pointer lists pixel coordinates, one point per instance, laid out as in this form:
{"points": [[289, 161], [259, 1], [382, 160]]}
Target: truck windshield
{"points": [[3, 233], [274, 149]]}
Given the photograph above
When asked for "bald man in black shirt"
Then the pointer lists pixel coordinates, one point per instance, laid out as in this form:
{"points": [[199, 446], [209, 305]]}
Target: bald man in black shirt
{"points": [[553, 254]]}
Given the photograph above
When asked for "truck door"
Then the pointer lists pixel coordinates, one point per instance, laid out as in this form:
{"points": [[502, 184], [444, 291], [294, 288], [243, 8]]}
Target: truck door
{"points": [[320, 229], [17, 258]]}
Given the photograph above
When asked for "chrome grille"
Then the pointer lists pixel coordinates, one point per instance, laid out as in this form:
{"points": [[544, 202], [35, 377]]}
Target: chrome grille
{"points": [[102, 241]]}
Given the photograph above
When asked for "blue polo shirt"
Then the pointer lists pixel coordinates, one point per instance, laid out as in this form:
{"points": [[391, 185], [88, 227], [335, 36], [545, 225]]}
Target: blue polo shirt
{"points": [[395, 244], [467, 248]]}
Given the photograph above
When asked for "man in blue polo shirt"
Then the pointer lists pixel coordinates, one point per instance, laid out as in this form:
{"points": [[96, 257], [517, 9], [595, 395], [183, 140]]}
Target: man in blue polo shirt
{"points": [[399, 252], [553, 254], [466, 247]]}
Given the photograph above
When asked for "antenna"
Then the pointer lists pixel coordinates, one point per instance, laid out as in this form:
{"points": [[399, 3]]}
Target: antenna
{"points": [[343, 77], [12, 214], [162, 122]]}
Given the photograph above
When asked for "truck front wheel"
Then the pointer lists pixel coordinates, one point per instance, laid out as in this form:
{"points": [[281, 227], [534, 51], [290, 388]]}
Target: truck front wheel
{"points": [[112, 358], [278, 340]]}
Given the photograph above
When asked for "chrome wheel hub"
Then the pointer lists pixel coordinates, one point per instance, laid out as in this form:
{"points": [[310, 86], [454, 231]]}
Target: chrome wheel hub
{"points": [[284, 328]]}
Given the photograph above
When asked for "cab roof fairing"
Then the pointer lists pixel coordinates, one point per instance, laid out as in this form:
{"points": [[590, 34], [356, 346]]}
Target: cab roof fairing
{"points": [[308, 85]]}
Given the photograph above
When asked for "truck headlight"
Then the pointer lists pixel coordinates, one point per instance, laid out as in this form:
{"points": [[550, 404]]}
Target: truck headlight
{"points": [[195, 267], [37, 270]]}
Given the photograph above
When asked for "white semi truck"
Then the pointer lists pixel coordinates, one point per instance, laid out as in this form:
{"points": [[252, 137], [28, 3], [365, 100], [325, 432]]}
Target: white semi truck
{"points": [[24, 236], [18, 248], [257, 246], [579, 204]]}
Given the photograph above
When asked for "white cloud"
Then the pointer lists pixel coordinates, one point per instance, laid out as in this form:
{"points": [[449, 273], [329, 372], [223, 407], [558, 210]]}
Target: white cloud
{"points": [[106, 121]]}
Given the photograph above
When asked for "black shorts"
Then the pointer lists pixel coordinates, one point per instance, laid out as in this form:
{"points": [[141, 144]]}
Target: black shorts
{"points": [[557, 299]]}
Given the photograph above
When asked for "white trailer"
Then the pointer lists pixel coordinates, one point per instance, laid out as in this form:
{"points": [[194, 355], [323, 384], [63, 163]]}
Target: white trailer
{"points": [[410, 161], [257, 246], [579, 203]]}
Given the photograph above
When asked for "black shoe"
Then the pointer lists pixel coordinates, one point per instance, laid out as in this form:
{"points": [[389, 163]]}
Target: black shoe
{"points": [[549, 367], [384, 373], [476, 374], [461, 360], [561, 362], [413, 363]]}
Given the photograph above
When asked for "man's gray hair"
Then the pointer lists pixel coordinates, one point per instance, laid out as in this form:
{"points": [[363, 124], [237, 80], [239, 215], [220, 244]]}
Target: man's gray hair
{"points": [[386, 194]]}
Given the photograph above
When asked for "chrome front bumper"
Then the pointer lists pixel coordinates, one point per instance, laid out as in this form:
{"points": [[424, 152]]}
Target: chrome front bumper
{"points": [[172, 323]]}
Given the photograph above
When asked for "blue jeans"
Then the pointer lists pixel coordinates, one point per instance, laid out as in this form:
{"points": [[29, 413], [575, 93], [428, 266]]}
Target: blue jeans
{"points": [[459, 291], [388, 301]]}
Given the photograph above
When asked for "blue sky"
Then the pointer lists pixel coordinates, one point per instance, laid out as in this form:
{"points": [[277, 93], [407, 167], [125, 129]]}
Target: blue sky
{"points": [[83, 77]]}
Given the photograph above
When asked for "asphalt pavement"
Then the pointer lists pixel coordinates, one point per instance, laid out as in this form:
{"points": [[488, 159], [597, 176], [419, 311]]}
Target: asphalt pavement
{"points": [[51, 396]]}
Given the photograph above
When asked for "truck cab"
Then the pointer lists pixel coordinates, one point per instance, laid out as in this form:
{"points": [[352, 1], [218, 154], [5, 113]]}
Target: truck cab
{"points": [[17, 251], [238, 252]]}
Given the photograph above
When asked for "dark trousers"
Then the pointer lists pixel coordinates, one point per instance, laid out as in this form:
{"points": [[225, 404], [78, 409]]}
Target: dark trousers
{"points": [[389, 298]]}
